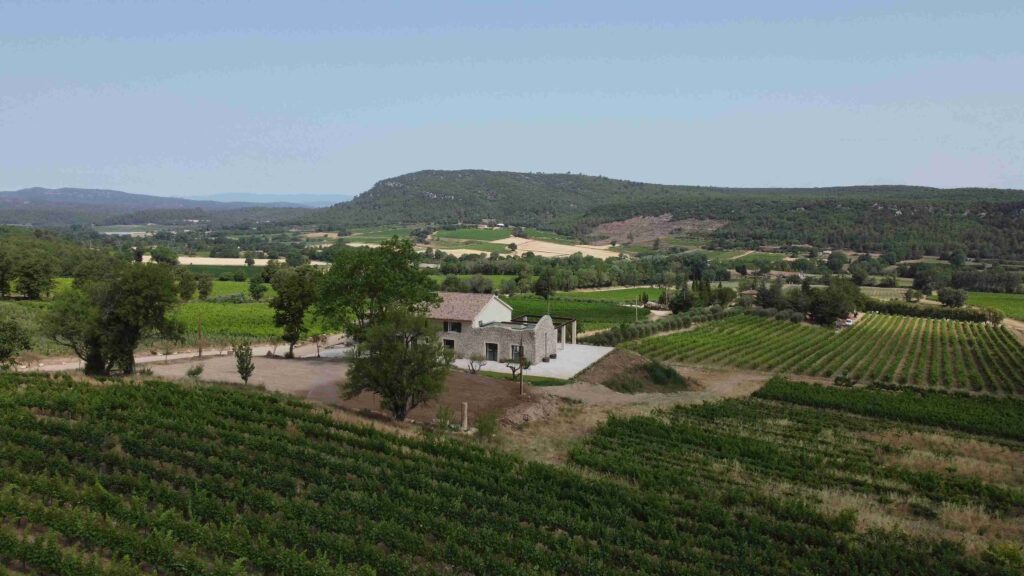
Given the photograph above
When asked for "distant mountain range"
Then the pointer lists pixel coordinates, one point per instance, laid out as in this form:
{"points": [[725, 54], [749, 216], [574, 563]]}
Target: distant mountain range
{"points": [[64, 206], [987, 223], [298, 200]]}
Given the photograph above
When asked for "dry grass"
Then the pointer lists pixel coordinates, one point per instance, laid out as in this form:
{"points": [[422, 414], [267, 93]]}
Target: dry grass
{"points": [[937, 452]]}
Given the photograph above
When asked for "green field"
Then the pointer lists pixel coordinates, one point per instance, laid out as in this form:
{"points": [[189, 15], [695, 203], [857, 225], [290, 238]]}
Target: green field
{"points": [[165, 478], [1010, 304], [225, 323], [496, 279], [484, 234], [218, 271], [621, 295], [894, 349], [591, 315]]}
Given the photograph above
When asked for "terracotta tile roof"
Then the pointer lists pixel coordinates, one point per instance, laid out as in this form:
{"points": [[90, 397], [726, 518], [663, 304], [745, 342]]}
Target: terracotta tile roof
{"points": [[459, 306]]}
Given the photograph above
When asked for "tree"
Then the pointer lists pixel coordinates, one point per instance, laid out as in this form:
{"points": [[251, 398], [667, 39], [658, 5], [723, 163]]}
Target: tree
{"points": [[243, 361], [257, 288], [296, 293], [14, 340], [250, 261], [364, 284], [186, 284], [475, 363], [509, 287], [839, 299], [911, 295], [103, 319], [682, 301], [512, 247], [319, 340], [163, 255], [269, 270], [452, 283], [545, 284], [401, 360], [952, 297], [205, 285], [836, 261], [6, 273], [35, 274]]}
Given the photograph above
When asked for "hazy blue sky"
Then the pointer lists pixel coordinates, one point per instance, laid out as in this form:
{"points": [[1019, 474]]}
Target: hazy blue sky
{"points": [[193, 98]]}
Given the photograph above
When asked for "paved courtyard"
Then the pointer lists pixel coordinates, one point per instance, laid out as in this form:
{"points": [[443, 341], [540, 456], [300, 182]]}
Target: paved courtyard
{"points": [[572, 359]]}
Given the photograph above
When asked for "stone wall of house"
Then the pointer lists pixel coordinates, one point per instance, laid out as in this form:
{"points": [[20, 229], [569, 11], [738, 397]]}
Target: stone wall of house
{"points": [[539, 343]]}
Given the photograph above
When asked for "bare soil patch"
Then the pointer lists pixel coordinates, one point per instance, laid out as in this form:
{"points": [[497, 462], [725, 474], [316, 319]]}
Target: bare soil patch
{"points": [[648, 228], [319, 379], [583, 405]]}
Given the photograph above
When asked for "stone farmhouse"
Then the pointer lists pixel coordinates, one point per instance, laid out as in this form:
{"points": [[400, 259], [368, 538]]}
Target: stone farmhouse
{"points": [[482, 325]]}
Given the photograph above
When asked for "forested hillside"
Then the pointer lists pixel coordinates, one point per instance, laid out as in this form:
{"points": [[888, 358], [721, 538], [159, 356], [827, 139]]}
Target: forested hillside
{"points": [[903, 219]]}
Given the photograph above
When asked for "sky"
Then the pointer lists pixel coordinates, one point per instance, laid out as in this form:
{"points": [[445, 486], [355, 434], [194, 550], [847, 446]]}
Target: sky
{"points": [[194, 98]]}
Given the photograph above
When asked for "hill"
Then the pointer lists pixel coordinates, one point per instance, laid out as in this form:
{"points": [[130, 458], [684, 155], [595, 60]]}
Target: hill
{"points": [[907, 219], [64, 206]]}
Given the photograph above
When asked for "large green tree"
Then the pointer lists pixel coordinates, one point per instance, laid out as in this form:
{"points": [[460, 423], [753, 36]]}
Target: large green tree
{"points": [[104, 318], [839, 299], [14, 340], [296, 292], [364, 284], [401, 360], [6, 273], [35, 272]]}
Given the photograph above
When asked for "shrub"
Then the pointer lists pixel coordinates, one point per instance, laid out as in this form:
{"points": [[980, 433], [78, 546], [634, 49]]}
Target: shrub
{"points": [[487, 426]]}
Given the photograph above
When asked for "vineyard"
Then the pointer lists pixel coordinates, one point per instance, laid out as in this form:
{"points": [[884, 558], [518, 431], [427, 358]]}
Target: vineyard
{"points": [[879, 348], [156, 477], [225, 323], [592, 315], [897, 474]]}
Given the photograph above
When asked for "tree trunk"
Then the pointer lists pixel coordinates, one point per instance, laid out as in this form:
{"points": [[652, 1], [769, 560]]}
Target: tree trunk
{"points": [[291, 350], [95, 364], [400, 410]]}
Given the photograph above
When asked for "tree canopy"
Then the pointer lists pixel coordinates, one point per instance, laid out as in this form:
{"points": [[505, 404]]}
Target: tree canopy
{"points": [[365, 284], [295, 293], [103, 318], [401, 359]]}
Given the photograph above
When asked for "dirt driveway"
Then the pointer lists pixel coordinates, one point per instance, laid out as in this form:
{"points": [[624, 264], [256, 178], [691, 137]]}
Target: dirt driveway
{"points": [[318, 379]]}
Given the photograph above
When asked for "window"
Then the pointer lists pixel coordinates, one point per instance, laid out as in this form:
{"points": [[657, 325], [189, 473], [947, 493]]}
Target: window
{"points": [[491, 350], [452, 326], [517, 352], [449, 344]]}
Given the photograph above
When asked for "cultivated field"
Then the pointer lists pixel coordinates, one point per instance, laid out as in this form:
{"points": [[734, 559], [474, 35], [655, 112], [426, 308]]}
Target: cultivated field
{"points": [[165, 478], [591, 315], [894, 349], [1010, 304], [928, 464], [622, 295]]}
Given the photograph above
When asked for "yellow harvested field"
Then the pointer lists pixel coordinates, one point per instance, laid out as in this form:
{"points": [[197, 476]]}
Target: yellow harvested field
{"points": [[207, 261], [555, 250]]}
